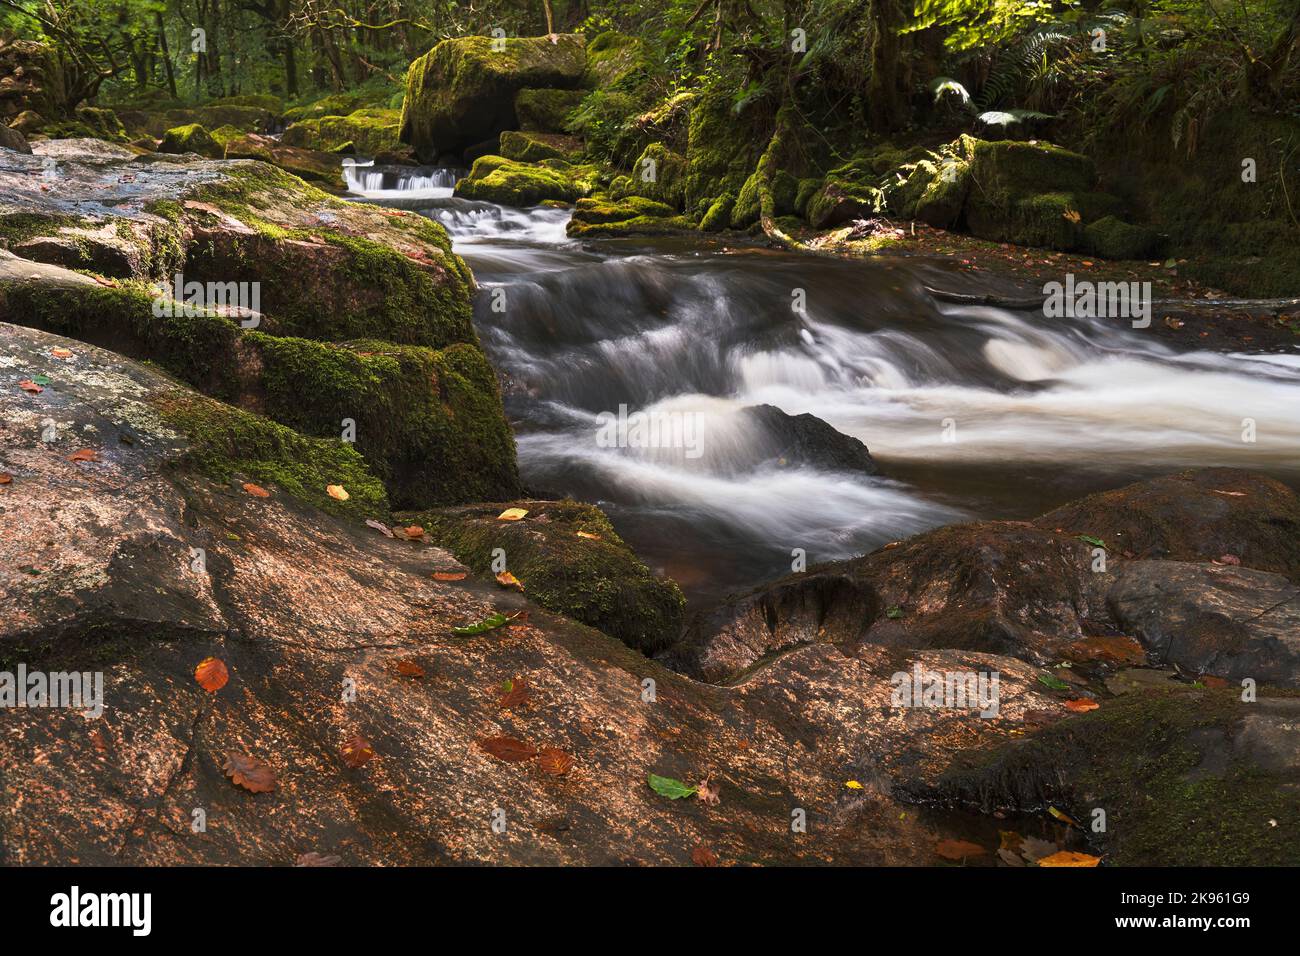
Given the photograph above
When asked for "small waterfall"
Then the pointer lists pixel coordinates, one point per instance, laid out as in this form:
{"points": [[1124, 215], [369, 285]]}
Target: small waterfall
{"points": [[365, 179]]}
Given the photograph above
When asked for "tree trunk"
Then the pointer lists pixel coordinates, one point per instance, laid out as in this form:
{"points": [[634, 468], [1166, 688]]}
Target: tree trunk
{"points": [[885, 103]]}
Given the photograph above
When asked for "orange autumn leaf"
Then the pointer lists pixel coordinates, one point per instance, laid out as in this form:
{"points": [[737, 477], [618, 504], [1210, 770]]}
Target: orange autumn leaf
{"points": [[337, 492], [507, 748], [408, 668], [958, 849], [1082, 705], [211, 674], [257, 491], [357, 751], [512, 514], [588, 535], [1112, 650], [449, 575], [554, 761], [61, 353], [27, 385], [84, 454], [703, 856], [1069, 858], [508, 580], [249, 773], [5, 477], [414, 531], [514, 694]]}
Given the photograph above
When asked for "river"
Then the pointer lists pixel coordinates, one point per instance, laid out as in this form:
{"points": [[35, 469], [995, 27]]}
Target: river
{"points": [[970, 411]]}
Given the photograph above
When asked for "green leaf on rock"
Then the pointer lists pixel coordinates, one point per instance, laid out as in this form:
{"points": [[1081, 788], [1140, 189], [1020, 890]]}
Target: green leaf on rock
{"points": [[478, 627], [1095, 542], [1053, 682], [668, 787], [894, 612]]}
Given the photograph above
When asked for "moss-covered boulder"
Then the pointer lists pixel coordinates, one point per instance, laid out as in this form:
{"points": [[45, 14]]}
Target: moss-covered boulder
{"points": [[631, 215], [718, 216], [155, 123], [535, 147], [658, 173], [722, 150], [1112, 238], [615, 59], [546, 110], [193, 138], [570, 560], [316, 167], [500, 180], [371, 131], [463, 91]]}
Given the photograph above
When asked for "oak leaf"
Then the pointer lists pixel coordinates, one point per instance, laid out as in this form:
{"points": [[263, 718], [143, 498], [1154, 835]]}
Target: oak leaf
{"points": [[249, 773], [507, 748]]}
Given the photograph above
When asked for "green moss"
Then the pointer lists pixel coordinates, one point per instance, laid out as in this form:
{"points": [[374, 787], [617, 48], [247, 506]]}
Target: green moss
{"points": [[371, 131], [722, 149], [598, 581], [535, 147], [193, 138], [500, 180], [615, 59], [718, 216], [1112, 238], [546, 110], [230, 444], [593, 211]]}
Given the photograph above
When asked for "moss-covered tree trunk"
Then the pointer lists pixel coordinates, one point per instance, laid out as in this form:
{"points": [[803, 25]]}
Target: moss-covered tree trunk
{"points": [[885, 103]]}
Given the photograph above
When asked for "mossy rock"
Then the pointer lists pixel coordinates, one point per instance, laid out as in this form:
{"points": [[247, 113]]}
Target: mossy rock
{"points": [[1031, 194], [462, 92], [370, 131], [635, 226], [615, 59], [804, 192], [500, 180], [592, 577], [718, 216], [546, 110], [260, 101], [316, 167], [233, 445], [599, 211], [429, 423], [1112, 238], [657, 173], [722, 150], [193, 138], [535, 147], [1186, 777], [839, 201], [748, 205]]}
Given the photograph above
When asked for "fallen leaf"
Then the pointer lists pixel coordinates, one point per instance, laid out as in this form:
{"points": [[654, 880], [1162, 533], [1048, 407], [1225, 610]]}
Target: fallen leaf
{"points": [[61, 353], [588, 535], [507, 748], [412, 532], [512, 514], [449, 575], [249, 773], [257, 491], [1234, 494], [554, 761], [708, 793], [27, 385], [5, 477], [84, 454], [491, 622], [316, 859], [668, 787], [1069, 858], [852, 785], [1055, 683], [514, 694], [408, 668], [1062, 816], [1113, 650], [508, 580], [1089, 539], [337, 492], [1081, 706], [703, 856], [958, 849], [1073, 215], [357, 751], [1010, 859], [1034, 849], [211, 674]]}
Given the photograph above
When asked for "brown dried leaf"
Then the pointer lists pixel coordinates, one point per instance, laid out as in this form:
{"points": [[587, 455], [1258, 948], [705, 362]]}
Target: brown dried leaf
{"points": [[61, 353], [1110, 650], [357, 751], [27, 385], [5, 477], [257, 491], [508, 580], [408, 668], [211, 674], [507, 748], [703, 856], [958, 849], [515, 693], [449, 575], [708, 793], [316, 859], [1082, 705], [249, 773], [337, 492], [554, 761], [512, 514], [84, 454]]}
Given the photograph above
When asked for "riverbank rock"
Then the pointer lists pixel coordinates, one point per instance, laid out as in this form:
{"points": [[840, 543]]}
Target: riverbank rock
{"points": [[510, 183], [568, 558], [321, 169], [13, 139], [546, 110], [361, 330], [462, 92], [146, 559], [805, 440], [1035, 590], [370, 132]]}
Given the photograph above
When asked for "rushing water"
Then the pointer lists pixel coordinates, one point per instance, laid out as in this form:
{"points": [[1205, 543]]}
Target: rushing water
{"points": [[970, 411]]}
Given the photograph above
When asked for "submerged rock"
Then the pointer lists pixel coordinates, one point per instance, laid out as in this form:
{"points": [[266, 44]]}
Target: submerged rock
{"points": [[806, 440]]}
